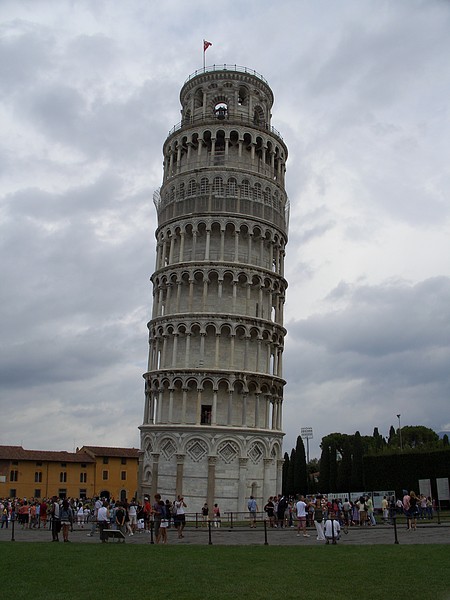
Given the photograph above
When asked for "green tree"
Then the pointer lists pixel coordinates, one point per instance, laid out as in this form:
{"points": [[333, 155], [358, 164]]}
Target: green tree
{"points": [[300, 473], [284, 479], [357, 464], [324, 476], [378, 440], [290, 482], [445, 441], [419, 436], [393, 438], [344, 479], [333, 467], [313, 468]]}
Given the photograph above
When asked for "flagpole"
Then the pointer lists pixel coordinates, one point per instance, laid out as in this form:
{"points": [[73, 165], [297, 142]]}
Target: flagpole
{"points": [[206, 45]]}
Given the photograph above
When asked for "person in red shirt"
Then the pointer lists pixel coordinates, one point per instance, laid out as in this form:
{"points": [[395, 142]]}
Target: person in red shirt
{"points": [[147, 512], [43, 514]]}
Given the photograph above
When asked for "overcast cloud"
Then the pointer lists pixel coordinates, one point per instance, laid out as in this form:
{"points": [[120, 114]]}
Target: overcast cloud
{"points": [[88, 93]]}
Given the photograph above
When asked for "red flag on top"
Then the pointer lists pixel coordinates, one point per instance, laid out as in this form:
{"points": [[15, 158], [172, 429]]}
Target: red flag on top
{"points": [[206, 45]]}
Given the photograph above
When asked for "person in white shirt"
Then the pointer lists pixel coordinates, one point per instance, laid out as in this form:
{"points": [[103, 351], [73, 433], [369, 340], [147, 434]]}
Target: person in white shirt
{"points": [[132, 513], [332, 529], [97, 505], [103, 520], [179, 515], [301, 516]]}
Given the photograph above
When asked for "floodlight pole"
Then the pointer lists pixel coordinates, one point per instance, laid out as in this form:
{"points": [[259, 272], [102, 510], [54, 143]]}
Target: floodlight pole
{"points": [[306, 433]]}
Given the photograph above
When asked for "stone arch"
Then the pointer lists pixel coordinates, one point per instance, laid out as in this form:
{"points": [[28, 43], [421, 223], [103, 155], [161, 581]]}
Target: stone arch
{"points": [[243, 95], [198, 98]]}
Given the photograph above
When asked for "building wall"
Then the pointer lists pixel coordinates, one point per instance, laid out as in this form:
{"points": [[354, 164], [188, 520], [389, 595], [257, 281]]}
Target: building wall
{"points": [[43, 479], [72, 478]]}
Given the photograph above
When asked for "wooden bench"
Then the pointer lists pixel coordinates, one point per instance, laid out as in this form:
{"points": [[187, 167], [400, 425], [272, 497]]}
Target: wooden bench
{"points": [[114, 534]]}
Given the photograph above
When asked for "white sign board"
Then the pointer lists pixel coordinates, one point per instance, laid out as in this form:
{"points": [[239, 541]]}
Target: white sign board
{"points": [[425, 487], [442, 488]]}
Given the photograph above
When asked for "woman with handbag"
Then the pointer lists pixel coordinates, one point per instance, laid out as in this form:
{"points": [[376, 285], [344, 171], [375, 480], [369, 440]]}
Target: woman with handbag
{"points": [[66, 518]]}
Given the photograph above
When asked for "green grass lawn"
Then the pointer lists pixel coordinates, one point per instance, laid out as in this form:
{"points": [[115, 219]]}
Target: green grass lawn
{"points": [[38, 571]]}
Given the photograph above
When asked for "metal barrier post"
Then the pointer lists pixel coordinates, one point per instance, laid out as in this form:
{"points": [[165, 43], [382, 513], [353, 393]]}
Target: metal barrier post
{"points": [[209, 533], [196, 520], [395, 528], [266, 543], [151, 532], [13, 520], [231, 520]]}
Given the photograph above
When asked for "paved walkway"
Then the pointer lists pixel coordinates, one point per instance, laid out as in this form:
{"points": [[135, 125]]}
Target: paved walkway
{"points": [[430, 533]]}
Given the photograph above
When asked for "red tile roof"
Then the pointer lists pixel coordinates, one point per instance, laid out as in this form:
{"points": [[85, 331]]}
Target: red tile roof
{"points": [[111, 452], [19, 453]]}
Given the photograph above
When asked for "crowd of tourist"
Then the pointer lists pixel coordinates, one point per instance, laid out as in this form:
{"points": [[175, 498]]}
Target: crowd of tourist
{"points": [[316, 510], [63, 515]]}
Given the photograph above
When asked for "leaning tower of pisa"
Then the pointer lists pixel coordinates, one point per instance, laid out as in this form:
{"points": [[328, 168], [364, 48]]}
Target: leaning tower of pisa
{"points": [[212, 427]]}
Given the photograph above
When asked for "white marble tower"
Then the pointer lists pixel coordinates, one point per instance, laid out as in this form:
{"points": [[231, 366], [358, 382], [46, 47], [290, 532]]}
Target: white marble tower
{"points": [[212, 426]]}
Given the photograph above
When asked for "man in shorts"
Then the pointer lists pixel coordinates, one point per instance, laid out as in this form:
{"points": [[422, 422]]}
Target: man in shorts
{"points": [[301, 516]]}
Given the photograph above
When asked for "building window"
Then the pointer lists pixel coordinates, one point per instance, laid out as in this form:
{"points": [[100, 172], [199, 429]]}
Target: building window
{"points": [[206, 414], [62, 493], [123, 475], [105, 475], [39, 464], [12, 492], [37, 493], [14, 462], [64, 465], [123, 461], [83, 493], [204, 186], [232, 187], [14, 476], [83, 465], [192, 187], [38, 477], [63, 477], [218, 186], [105, 460], [83, 477]]}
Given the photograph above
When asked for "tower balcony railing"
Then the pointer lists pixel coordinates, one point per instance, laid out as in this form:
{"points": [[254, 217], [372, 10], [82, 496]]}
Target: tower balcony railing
{"points": [[220, 204], [226, 67], [220, 160], [223, 118]]}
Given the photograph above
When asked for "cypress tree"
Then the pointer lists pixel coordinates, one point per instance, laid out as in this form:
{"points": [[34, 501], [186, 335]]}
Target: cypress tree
{"points": [[333, 467], [392, 439], [324, 475], [285, 471], [357, 464], [344, 479], [300, 473], [290, 481]]}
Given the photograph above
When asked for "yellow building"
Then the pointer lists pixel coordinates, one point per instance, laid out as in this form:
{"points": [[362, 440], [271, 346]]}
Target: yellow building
{"points": [[88, 472], [116, 471]]}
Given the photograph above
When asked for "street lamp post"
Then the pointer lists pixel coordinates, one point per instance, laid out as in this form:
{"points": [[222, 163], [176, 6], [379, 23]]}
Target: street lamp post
{"points": [[400, 433]]}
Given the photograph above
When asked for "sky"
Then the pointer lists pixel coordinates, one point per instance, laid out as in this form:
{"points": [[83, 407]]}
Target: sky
{"points": [[89, 91]]}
